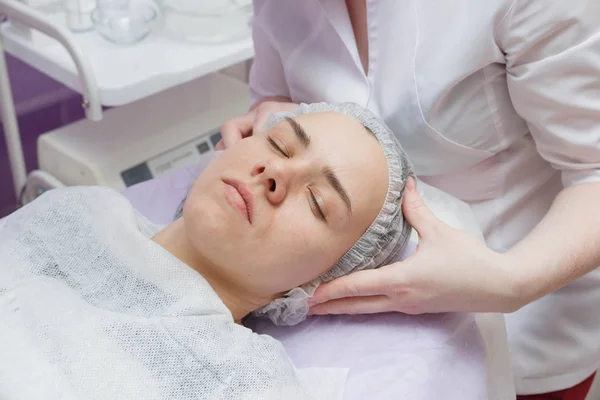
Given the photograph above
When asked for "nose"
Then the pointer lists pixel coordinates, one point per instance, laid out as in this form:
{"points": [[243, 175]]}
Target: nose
{"points": [[275, 176]]}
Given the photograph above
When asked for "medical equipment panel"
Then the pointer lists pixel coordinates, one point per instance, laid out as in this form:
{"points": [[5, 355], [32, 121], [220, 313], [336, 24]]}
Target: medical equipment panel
{"points": [[145, 139], [172, 159]]}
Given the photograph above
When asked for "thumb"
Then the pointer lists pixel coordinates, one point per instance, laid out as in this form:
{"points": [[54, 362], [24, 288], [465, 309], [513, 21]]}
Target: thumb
{"points": [[266, 109], [220, 145], [361, 283], [416, 212], [236, 129], [262, 115]]}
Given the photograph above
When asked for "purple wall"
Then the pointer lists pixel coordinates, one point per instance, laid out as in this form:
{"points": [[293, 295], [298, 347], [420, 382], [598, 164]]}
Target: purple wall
{"points": [[42, 105]]}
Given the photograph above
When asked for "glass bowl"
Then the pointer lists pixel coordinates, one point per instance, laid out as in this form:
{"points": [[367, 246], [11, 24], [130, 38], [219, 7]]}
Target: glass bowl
{"points": [[126, 25]]}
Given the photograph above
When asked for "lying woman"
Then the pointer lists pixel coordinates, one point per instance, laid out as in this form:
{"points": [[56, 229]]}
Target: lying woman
{"points": [[97, 302]]}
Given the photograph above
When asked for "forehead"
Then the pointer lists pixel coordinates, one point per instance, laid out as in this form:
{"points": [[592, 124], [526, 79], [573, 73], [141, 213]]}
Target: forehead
{"points": [[332, 129], [334, 126], [338, 137]]}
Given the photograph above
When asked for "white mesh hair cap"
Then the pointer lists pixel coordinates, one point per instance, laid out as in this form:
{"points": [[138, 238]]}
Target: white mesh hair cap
{"points": [[382, 241]]}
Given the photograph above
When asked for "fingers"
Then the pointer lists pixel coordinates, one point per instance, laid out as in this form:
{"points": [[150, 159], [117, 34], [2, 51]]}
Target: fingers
{"points": [[236, 129], [416, 212], [362, 283], [250, 123], [353, 305], [264, 111]]}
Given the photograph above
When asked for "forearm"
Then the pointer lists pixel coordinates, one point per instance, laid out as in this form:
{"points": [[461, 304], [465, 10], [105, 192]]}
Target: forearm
{"points": [[564, 246]]}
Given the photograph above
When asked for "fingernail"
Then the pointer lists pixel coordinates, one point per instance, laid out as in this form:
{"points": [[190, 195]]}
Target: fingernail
{"points": [[410, 184]]}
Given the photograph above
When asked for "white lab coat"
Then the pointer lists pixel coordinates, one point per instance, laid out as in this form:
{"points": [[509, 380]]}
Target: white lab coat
{"points": [[496, 102]]}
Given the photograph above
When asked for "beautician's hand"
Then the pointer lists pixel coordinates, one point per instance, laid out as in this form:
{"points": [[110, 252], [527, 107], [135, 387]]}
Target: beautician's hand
{"points": [[450, 270], [253, 121]]}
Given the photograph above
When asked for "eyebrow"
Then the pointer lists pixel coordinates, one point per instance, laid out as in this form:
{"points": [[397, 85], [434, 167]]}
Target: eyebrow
{"points": [[330, 175], [299, 131], [337, 186]]}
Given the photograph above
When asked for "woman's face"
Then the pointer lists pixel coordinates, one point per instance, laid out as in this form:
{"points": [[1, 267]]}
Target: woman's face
{"points": [[280, 208]]}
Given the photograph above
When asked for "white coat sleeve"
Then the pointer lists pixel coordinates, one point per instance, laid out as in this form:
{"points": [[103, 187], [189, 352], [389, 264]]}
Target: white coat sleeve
{"points": [[267, 76], [552, 53]]}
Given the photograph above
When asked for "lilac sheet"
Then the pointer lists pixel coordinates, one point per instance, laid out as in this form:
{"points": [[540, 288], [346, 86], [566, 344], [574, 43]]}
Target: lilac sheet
{"points": [[390, 356]]}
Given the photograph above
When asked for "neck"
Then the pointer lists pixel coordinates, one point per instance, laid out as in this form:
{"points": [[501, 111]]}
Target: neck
{"points": [[237, 299]]}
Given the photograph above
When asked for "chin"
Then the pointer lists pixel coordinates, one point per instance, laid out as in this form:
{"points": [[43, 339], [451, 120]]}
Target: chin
{"points": [[204, 223]]}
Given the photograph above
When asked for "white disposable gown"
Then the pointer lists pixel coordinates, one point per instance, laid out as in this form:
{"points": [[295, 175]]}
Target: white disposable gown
{"points": [[91, 308]]}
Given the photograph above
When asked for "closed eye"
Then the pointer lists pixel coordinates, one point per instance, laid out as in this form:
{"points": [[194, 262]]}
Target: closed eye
{"points": [[277, 147], [315, 204]]}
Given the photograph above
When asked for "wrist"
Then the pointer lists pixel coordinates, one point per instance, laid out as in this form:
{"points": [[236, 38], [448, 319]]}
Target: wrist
{"points": [[520, 287]]}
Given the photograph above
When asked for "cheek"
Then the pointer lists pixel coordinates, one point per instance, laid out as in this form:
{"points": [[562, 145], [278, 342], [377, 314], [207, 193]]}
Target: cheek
{"points": [[248, 149], [237, 159]]}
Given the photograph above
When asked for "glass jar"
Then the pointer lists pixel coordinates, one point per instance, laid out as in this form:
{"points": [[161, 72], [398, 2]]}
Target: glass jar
{"points": [[79, 14]]}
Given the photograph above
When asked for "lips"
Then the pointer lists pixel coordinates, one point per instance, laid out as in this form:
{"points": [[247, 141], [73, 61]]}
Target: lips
{"points": [[241, 197]]}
